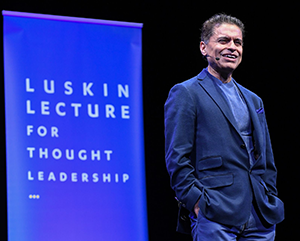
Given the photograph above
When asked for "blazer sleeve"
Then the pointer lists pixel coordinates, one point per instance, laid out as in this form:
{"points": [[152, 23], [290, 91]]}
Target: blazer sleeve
{"points": [[180, 124]]}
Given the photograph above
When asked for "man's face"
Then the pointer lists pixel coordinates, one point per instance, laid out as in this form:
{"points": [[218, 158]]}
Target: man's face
{"points": [[226, 43]]}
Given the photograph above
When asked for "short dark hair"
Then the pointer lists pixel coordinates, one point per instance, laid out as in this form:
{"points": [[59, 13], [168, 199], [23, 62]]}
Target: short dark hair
{"points": [[208, 26]]}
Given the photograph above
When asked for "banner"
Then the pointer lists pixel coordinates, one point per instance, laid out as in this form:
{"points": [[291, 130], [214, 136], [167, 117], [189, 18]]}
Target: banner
{"points": [[74, 129]]}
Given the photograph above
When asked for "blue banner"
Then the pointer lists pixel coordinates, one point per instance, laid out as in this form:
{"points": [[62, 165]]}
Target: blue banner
{"points": [[74, 129]]}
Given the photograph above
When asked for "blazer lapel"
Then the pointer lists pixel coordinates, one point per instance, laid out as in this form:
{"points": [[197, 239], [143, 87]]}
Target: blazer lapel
{"points": [[218, 97], [256, 125]]}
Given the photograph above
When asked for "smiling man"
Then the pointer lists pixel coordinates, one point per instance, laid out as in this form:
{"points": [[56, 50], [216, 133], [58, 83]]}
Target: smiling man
{"points": [[218, 150], [223, 46]]}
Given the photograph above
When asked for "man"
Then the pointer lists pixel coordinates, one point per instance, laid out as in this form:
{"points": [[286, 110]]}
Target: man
{"points": [[218, 150]]}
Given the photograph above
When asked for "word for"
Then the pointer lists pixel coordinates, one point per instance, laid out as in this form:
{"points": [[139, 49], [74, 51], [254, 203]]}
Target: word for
{"points": [[42, 131], [75, 177]]}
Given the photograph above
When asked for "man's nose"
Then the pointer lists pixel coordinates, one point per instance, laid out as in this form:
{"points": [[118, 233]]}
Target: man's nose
{"points": [[232, 46]]}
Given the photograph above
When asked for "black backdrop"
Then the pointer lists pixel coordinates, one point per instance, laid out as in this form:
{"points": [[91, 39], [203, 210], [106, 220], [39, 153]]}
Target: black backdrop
{"points": [[171, 55]]}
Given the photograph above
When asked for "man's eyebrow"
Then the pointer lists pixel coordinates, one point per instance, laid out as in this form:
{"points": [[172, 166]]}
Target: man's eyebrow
{"points": [[225, 37], [239, 39], [228, 37]]}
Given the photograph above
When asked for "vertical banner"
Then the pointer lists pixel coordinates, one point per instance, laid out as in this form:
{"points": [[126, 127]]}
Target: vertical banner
{"points": [[74, 129]]}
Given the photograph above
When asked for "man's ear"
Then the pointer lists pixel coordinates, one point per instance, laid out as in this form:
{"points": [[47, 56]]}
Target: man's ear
{"points": [[203, 48]]}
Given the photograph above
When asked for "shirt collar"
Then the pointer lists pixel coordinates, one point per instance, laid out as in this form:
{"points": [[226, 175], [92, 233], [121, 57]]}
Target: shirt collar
{"points": [[217, 81]]}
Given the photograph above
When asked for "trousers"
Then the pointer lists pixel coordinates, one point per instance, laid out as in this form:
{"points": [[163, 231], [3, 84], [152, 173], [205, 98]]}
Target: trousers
{"points": [[207, 230]]}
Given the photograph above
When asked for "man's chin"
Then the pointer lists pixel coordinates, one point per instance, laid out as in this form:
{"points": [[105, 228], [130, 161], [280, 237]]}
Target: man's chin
{"points": [[229, 67]]}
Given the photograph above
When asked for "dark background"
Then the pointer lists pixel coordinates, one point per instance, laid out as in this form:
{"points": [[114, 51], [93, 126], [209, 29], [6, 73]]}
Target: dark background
{"points": [[171, 55]]}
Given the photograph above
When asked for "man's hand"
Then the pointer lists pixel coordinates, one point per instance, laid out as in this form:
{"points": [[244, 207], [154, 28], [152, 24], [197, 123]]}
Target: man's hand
{"points": [[196, 208]]}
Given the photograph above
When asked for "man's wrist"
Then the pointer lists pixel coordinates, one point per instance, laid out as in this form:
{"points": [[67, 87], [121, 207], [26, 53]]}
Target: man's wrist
{"points": [[196, 207]]}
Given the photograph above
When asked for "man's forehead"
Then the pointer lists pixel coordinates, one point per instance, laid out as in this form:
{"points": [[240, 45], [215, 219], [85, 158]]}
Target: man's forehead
{"points": [[228, 30]]}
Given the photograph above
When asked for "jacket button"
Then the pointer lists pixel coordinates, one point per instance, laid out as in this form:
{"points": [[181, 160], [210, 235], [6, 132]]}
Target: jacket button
{"points": [[243, 146]]}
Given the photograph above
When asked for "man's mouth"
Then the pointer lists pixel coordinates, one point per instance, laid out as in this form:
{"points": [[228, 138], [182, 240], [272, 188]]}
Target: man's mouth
{"points": [[231, 56]]}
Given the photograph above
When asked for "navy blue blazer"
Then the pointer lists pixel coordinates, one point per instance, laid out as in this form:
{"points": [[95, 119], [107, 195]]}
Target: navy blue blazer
{"points": [[206, 157]]}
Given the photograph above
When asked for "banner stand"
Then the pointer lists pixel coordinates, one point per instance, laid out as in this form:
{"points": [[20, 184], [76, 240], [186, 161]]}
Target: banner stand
{"points": [[74, 129]]}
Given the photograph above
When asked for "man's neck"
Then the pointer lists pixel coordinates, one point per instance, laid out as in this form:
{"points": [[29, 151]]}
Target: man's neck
{"points": [[224, 77]]}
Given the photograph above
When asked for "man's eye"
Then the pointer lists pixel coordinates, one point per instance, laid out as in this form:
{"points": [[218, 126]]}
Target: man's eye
{"points": [[223, 41], [238, 43]]}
